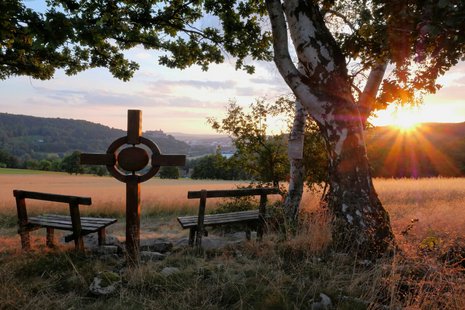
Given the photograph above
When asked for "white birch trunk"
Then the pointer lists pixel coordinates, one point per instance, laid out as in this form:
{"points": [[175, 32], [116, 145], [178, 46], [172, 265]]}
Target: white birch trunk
{"points": [[323, 88], [297, 169]]}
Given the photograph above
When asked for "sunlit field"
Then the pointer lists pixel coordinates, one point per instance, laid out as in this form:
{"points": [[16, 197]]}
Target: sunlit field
{"points": [[108, 194], [435, 205]]}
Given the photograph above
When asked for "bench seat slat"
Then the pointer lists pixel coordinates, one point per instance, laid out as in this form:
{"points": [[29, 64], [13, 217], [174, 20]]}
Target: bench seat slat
{"points": [[218, 219], [99, 220], [67, 219], [64, 222]]}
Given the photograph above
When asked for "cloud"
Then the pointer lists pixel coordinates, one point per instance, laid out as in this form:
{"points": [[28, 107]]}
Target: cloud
{"points": [[209, 85], [84, 98], [449, 93]]}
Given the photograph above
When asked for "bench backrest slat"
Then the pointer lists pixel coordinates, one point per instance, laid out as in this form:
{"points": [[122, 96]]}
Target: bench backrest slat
{"points": [[234, 192], [52, 197]]}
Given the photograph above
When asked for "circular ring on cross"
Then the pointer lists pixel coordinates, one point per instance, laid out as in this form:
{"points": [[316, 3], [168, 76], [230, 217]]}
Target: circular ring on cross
{"points": [[132, 159]]}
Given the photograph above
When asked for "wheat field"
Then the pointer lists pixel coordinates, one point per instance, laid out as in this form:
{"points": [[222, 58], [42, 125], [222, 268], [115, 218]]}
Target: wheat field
{"points": [[437, 203], [432, 206], [107, 193]]}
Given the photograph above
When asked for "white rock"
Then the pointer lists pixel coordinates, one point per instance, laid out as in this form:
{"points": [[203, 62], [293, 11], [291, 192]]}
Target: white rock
{"points": [[105, 283], [106, 249], [324, 303], [147, 256], [169, 271]]}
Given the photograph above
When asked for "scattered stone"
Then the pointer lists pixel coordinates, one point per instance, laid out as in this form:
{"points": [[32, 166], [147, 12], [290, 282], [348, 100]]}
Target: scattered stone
{"points": [[365, 263], [167, 271], [147, 256], [105, 283], [323, 303], [240, 235], [106, 250], [214, 241], [91, 241], [110, 258], [156, 246], [182, 242]]}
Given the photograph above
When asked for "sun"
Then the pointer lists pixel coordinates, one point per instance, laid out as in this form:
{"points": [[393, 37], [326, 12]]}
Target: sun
{"points": [[406, 119]]}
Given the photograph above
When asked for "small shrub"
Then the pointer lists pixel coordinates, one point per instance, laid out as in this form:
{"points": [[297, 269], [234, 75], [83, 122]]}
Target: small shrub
{"points": [[235, 204]]}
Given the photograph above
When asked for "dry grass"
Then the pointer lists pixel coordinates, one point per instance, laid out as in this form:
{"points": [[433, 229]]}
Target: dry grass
{"points": [[425, 208], [427, 273]]}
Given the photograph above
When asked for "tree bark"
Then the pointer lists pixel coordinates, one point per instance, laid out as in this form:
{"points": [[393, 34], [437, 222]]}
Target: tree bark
{"points": [[297, 168], [323, 87], [360, 221]]}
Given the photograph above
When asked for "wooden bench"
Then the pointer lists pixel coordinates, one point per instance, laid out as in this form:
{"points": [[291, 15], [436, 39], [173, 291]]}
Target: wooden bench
{"points": [[251, 218], [80, 226]]}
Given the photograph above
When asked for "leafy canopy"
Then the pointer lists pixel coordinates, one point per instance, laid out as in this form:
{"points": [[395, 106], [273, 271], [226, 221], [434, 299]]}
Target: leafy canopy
{"points": [[78, 35], [421, 39]]}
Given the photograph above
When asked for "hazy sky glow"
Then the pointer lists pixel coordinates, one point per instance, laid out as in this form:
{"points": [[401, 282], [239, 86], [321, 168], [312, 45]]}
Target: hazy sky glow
{"points": [[181, 100]]}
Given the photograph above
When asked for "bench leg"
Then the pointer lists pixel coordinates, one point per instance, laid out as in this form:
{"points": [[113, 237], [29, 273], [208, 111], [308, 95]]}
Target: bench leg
{"points": [[101, 236], [50, 242], [191, 236], [25, 240], [248, 234], [198, 239], [260, 228], [79, 243], [259, 233]]}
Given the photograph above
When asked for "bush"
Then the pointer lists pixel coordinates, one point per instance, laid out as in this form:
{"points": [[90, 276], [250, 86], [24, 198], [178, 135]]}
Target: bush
{"points": [[169, 173]]}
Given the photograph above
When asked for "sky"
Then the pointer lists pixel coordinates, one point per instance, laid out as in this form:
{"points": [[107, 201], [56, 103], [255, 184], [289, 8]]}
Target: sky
{"points": [[171, 100], [181, 100], [176, 100]]}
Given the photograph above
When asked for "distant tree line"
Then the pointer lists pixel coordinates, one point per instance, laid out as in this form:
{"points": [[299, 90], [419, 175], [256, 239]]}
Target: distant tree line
{"points": [[69, 163], [218, 167]]}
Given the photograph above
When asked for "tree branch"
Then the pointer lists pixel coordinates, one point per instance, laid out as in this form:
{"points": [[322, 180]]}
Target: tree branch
{"points": [[368, 96], [343, 17], [291, 75], [282, 57]]}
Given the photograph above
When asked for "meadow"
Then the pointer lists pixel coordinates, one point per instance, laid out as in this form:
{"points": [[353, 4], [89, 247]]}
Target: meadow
{"points": [[426, 272]]}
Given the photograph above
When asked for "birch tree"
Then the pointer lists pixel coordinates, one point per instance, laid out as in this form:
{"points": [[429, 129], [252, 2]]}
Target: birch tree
{"points": [[419, 40], [391, 32]]}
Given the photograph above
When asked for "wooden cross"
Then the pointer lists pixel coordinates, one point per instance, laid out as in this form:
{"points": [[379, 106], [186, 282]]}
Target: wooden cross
{"points": [[124, 159]]}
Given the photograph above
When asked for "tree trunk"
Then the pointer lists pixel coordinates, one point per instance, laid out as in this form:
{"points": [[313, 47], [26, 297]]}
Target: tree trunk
{"points": [[360, 221], [297, 171], [323, 87]]}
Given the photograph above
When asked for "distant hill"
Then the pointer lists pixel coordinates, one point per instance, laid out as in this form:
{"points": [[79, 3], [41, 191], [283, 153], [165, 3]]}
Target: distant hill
{"points": [[36, 137], [431, 149], [201, 144]]}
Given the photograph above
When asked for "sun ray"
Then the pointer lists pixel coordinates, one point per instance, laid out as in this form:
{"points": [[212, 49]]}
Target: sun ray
{"points": [[413, 154], [442, 163], [392, 161]]}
